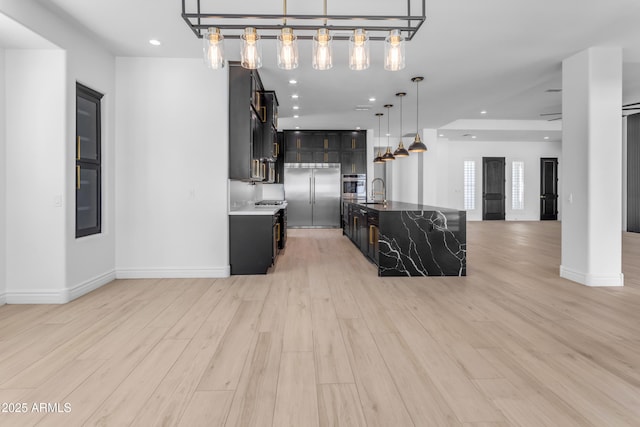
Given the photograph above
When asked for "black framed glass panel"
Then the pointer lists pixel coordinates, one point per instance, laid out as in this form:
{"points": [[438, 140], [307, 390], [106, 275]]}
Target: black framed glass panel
{"points": [[88, 162]]}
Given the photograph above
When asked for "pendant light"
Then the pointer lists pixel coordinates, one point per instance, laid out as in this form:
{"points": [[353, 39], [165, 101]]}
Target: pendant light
{"points": [[378, 158], [417, 146], [388, 156], [359, 50], [287, 45], [213, 48], [322, 54], [401, 151], [287, 50], [251, 51], [394, 51]]}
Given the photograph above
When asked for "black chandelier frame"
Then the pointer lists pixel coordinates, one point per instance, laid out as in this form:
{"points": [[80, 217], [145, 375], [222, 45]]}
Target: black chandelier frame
{"points": [[378, 26]]}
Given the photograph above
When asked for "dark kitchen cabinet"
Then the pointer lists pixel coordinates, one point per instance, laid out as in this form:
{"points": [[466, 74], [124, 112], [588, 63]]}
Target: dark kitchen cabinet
{"points": [[243, 122], [353, 162], [270, 149], [354, 141], [253, 242]]}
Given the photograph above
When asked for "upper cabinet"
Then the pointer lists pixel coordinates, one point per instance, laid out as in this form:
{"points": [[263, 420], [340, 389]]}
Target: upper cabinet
{"points": [[345, 147], [253, 115]]}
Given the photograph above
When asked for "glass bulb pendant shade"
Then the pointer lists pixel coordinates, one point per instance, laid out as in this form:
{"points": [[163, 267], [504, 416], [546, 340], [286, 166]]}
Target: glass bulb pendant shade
{"points": [[251, 50], [287, 50], [322, 54], [417, 146], [378, 158], [388, 156], [394, 51], [213, 48], [401, 151], [359, 50]]}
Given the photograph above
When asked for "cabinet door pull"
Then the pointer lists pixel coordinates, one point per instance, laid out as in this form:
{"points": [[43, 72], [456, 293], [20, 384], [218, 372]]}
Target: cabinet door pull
{"points": [[298, 143], [78, 177], [371, 227], [276, 149], [78, 149], [263, 113], [326, 143], [264, 170], [353, 143], [277, 232]]}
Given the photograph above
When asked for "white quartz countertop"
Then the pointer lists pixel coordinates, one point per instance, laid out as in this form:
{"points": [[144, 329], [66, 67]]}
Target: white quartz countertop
{"points": [[257, 210]]}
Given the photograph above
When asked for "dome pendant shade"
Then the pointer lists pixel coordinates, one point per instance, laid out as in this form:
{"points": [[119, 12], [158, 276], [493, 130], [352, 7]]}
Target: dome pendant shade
{"points": [[401, 151], [378, 158], [417, 146], [213, 48], [388, 156]]}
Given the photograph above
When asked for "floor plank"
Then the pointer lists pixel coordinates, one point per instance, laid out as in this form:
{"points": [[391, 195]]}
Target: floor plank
{"points": [[321, 340]]}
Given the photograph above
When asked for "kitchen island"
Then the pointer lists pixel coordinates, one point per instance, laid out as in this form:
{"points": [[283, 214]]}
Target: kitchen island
{"points": [[406, 239]]}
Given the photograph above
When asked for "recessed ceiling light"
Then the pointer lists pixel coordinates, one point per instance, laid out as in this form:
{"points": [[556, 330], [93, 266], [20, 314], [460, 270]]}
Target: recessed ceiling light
{"points": [[546, 137], [293, 82], [483, 112], [441, 135], [357, 127], [295, 116], [388, 134], [155, 42], [297, 127], [473, 136], [296, 107], [294, 96], [372, 99]]}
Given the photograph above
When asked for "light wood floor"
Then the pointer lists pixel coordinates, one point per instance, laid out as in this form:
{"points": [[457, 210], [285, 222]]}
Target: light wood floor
{"points": [[324, 341]]}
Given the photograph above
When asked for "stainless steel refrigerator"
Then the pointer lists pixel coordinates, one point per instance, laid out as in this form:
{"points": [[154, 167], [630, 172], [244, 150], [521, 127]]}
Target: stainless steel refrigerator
{"points": [[312, 191]]}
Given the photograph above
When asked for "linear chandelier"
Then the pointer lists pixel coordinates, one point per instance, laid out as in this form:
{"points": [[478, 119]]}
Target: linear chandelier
{"points": [[287, 29]]}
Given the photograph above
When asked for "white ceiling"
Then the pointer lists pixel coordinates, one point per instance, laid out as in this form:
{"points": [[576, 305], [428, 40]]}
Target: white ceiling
{"points": [[494, 55]]}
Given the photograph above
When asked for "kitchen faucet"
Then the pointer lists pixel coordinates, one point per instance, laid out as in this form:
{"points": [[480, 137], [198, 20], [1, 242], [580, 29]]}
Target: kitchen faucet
{"points": [[374, 193]]}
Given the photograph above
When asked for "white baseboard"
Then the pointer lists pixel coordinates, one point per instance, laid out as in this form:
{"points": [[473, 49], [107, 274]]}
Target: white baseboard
{"points": [[61, 296], [593, 280], [3, 298], [91, 285], [173, 273]]}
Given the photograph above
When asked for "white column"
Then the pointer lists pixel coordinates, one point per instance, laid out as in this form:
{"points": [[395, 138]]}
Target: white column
{"points": [[590, 168]]}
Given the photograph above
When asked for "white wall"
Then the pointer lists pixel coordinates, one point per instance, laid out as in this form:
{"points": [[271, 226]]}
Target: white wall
{"points": [[171, 192], [3, 163], [90, 261], [528, 152], [35, 137]]}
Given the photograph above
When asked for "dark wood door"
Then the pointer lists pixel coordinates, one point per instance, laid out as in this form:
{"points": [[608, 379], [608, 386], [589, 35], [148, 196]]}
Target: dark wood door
{"points": [[493, 188], [549, 188]]}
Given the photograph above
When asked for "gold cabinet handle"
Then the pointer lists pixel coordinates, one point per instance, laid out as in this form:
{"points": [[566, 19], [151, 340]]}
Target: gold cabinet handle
{"points": [[371, 227], [298, 143], [263, 113], [278, 232], [78, 149], [353, 143], [326, 143], [264, 171], [77, 177], [276, 148]]}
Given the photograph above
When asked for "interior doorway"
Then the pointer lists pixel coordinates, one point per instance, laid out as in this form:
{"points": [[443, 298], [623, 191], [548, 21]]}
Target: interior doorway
{"points": [[548, 189], [493, 191]]}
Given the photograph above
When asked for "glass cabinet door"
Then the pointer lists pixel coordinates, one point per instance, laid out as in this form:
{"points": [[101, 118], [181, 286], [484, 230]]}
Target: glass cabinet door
{"points": [[88, 162]]}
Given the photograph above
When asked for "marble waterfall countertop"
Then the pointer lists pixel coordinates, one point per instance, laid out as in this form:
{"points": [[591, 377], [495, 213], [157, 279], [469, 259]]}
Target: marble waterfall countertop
{"points": [[419, 240]]}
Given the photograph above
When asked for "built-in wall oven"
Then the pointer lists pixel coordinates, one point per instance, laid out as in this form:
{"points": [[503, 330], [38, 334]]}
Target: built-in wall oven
{"points": [[354, 186]]}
